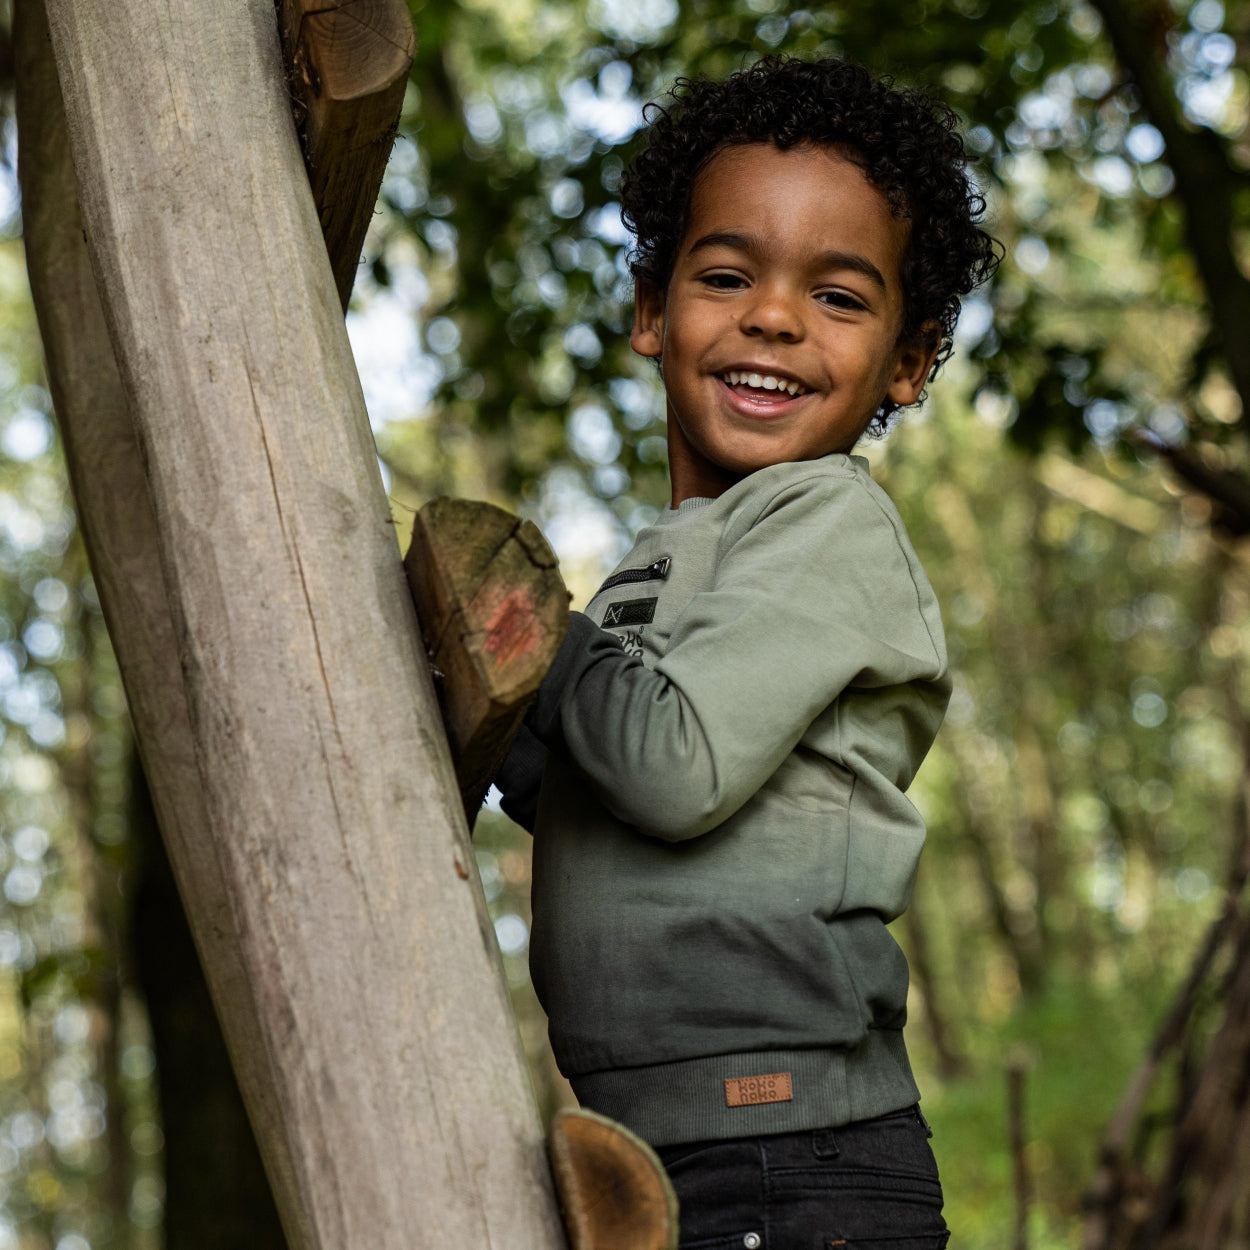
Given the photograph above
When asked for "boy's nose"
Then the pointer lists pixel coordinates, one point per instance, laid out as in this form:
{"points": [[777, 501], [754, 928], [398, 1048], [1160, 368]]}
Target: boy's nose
{"points": [[773, 314]]}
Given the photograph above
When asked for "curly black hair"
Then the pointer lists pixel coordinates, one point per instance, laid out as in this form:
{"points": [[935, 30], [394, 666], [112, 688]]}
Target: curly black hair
{"points": [[906, 143]]}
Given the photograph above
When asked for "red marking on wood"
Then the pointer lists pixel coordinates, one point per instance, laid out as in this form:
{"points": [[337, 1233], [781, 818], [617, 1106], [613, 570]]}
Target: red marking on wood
{"points": [[513, 631], [461, 871]]}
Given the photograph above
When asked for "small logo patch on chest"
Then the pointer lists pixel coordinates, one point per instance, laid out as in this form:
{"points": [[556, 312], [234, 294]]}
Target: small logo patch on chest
{"points": [[630, 612], [751, 1091]]}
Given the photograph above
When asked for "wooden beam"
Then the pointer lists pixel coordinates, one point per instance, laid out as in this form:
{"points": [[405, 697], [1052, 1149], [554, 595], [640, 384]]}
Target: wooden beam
{"points": [[400, 1096], [493, 610], [118, 526], [347, 67]]}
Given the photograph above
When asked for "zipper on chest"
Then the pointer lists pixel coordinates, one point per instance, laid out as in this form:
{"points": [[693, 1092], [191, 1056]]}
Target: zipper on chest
{"points": [[655, 572]]}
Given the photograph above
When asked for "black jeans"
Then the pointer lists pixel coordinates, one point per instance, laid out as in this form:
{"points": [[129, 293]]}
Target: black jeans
{"points": [[872, 1184]]}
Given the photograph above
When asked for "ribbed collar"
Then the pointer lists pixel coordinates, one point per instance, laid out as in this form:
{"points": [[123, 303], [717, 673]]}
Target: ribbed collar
{"points": [[698, 501]]}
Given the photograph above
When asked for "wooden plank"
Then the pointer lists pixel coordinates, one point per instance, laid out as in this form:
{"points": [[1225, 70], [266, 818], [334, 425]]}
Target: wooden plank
{"points": [[348, 63], [401, 1097], [493, 610]]}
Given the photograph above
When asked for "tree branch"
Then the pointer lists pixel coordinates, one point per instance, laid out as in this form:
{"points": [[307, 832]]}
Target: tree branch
{"points": [[1205, 182], [1228, 489]]}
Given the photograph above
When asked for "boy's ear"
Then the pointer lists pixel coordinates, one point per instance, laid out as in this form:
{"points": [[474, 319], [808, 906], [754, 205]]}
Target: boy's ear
{"points": [[647, 338], [914, 364]]}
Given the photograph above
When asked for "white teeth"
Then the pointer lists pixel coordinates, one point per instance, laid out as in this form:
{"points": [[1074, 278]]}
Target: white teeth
{"points": [[764, 381]]}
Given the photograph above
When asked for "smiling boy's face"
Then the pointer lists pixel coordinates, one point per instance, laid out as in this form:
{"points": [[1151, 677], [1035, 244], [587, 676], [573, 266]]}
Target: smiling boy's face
{"points": [[779, 332]]}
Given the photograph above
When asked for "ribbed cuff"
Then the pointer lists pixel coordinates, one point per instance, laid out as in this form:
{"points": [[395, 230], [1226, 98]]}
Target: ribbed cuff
{"points": [[687, 1101]]}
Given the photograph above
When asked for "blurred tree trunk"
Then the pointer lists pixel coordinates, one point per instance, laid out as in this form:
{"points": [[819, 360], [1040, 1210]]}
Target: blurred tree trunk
{"points": [[1206, 1193], [103, 887], [1200, 1199], [216, 1194], [950, 1063], [1018, 927]]}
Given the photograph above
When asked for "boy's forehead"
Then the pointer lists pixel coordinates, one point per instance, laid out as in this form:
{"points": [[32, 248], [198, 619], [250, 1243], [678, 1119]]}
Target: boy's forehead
{"points": [[809, 197]]}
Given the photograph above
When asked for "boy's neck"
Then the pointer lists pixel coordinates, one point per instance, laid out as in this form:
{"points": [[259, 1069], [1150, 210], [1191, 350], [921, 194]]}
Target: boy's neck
{"points": [[691, 474]]}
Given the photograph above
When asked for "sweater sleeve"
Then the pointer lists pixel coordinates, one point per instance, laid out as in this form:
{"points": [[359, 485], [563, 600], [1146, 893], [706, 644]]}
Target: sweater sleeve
{"points": [[817, 595]]}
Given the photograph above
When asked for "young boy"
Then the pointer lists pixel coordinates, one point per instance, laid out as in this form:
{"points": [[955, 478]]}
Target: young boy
{"points": [[726, 735]]}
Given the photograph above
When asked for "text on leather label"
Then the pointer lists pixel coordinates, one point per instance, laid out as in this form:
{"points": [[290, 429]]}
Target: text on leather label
{"points": [[750, 1091]]}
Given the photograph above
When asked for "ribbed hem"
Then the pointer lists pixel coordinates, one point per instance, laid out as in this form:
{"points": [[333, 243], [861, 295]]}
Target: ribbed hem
{"points": [[670, 1103]]}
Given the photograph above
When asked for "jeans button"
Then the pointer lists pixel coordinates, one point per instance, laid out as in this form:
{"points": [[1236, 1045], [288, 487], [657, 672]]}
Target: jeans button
{"points": [[752, 1241]]}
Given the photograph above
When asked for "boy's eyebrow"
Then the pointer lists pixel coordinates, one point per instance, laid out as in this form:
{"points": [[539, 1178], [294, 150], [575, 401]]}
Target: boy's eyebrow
{"points": [[829, 260]]}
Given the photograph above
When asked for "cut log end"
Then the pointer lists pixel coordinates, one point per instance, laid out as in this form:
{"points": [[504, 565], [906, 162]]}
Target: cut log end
{"points": [[358, 50], [493, 612], [347, 66], [612, 1186]]}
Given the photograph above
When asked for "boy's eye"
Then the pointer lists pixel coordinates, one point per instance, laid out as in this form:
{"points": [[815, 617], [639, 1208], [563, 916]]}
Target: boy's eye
{"points": [[841, 299], [724, 281]]}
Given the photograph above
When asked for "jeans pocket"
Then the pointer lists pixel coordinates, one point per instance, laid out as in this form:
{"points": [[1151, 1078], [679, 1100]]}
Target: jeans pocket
{"points": [[853, 1208], [719, 1187]]}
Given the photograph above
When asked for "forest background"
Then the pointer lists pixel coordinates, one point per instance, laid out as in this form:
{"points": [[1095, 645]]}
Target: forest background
{"points": [[1076, 487]]}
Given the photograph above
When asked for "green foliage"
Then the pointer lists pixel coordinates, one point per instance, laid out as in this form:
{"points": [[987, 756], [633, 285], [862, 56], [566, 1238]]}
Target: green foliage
{"points": [[1080, 797], [515, 113]]}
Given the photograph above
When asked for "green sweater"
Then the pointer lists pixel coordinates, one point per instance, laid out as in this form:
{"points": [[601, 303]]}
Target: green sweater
{"points": [[722, 832]]}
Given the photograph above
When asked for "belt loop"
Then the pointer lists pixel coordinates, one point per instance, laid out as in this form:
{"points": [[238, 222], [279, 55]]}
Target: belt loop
{"points": [[824, 1144]]}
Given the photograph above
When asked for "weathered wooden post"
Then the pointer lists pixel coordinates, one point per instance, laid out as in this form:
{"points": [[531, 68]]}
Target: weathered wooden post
{"points": [[116, 519], [322, 846]]}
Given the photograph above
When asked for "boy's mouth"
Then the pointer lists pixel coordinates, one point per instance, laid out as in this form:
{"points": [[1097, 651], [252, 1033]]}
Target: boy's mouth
{"points": [[743, 381], [764, 389]]}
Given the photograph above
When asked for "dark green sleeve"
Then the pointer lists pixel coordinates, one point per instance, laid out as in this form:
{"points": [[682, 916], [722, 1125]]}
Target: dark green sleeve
{"points": [[521, 777]]}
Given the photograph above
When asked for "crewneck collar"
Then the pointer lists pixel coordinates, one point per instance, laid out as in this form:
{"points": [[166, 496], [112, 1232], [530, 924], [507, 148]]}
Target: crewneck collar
{"points": [[692, 504], [696, 502]]}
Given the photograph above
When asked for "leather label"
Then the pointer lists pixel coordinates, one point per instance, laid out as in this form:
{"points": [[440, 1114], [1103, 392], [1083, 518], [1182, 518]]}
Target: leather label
{"points": [[751, 1091]]}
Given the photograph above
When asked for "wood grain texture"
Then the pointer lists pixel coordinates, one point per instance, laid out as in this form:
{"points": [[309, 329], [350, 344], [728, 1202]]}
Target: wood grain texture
{"points": [[348, 63], [613, 1187], [493, 610], [400, 1100], [118, 526]]}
